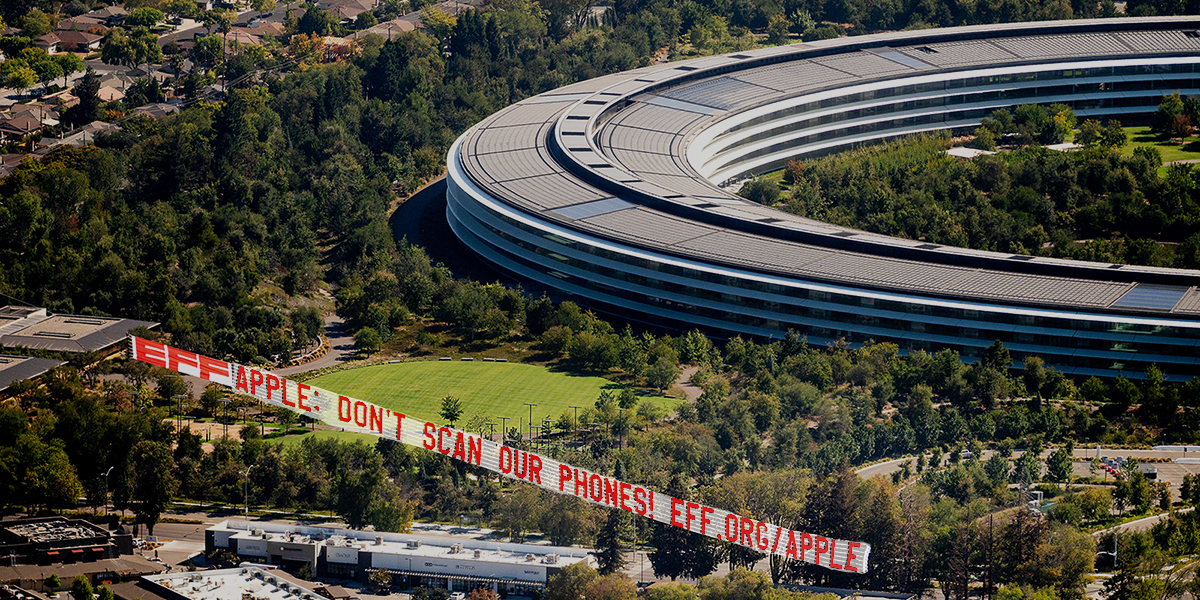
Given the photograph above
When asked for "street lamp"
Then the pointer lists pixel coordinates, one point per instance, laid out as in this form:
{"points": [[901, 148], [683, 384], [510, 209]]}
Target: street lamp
{"points": [[246, 488], [531, 405], [492, 433], [225, 414], [503, 428], [575, 422], [106, 490], [179, 414]]}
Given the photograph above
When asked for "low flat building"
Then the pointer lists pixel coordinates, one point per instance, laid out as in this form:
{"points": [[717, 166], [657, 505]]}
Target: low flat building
{"points": [[34, 328], [414, 560], [240, 583], [31, 550], [16, 368]]}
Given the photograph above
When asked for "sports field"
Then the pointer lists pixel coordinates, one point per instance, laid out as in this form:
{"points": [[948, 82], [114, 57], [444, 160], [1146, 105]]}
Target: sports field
{"points": [[488, 389]]}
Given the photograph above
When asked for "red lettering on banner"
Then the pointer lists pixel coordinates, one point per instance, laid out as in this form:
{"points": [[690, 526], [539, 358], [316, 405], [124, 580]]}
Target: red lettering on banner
{"points": [[624, 493], [344, 409], [256, 379], [430, 443], [442, 447], [376, 418], [747, 526], [506, 453], [273, 385], [520, 464], [675, 502], [761, 539], [564, 475], [832, 551], [460, 449], [821, 546], [731, 527], [241, 380], [610, 491], [850, 556], [596, 487], [399, 423], [535, 469], [212, 366], [651, 501], [177, 358], [300, 397], [639, 496], [792, 550], [581, 482], [806, 544], [360, 413], [704, 520], [150, 352], [775, 546], [687, 510], [474, 450]]}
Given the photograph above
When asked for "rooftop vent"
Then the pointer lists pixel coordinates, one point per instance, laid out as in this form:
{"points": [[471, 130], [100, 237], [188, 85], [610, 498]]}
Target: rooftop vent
{"points": [[926, 50], [551, 559], [530, 557], [379, 540], [478, 553], [456, 549]]}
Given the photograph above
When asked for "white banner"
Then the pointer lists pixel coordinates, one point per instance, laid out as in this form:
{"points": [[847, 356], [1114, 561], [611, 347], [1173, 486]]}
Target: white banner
{"points": [[358, 415]]}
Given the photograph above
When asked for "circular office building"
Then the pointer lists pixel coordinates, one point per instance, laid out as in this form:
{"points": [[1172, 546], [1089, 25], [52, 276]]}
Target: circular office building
{"points": [[609, 191]]}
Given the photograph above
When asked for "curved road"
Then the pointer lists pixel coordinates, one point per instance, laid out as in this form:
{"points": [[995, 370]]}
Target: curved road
{"points": [[341, 344]]}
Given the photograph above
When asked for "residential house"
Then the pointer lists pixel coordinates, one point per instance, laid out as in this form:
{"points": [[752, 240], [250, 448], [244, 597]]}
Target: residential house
{"points": [[111, 15], [48, 42], [82, 23], [110, 94], [157, 110], [15, 127], [78, 41]]}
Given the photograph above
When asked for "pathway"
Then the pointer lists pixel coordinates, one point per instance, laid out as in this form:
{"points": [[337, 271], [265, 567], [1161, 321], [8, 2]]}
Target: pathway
{"points": [[684, 382], [341, 348]]}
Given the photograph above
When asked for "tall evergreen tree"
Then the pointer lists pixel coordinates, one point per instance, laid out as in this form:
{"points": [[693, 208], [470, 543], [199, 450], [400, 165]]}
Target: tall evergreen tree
{"points": [[88, 92]]}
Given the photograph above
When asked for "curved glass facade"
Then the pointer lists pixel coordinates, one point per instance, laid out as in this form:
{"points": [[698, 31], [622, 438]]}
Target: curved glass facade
{"points": [[658, 287]]}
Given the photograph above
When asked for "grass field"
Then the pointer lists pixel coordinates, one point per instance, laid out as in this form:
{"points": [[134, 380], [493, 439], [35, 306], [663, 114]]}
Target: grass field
{"points": [[341, 436], [489, 389], [1170, 151]]}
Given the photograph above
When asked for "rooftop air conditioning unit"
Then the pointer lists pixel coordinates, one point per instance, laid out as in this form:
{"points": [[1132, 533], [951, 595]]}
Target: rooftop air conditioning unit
{"points": [[456, 549], [379, 540], [256, 532], [414, 543], [478, 553], [530, 557], [551, 559]]}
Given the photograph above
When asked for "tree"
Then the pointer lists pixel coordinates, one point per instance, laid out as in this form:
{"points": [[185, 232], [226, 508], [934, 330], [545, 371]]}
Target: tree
{"points": [[613, 586], [571, 583], [678, 552], [69, 63], [662, 373], [452, 409], [608, 544], [153, 481], [380, 578], [88, 92], [36, 23], [138, 48], [144, 17], [1168, 111], [367, 340], [18, 76], [1059, 464], [81, 588]]}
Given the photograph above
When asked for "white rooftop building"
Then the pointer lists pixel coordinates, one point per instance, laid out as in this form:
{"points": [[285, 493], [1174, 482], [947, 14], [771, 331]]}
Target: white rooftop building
{"points": [[454, 563]]}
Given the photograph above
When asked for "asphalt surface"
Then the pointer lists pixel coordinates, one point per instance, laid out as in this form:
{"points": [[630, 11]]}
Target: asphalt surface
{"points": [[341, 348]]}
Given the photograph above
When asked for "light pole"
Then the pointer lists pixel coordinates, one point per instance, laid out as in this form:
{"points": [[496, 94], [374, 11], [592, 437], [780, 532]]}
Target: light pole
{"points": [[503, 428], [106, 490], [530, 405], [575, 422], [492, 434], [179, 414], [225, 414], [246, 489]]}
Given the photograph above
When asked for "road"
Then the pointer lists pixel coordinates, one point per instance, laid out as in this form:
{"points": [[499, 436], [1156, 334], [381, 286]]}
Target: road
{"points": [[341, 348]]}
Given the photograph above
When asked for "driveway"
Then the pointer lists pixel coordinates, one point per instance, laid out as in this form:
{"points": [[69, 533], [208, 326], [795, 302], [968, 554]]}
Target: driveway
{"points": [[341, 348]]}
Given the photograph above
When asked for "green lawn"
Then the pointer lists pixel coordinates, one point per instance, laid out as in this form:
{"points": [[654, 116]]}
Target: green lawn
{"points": [[1171, 151], [341, 436], [489, 389]]}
